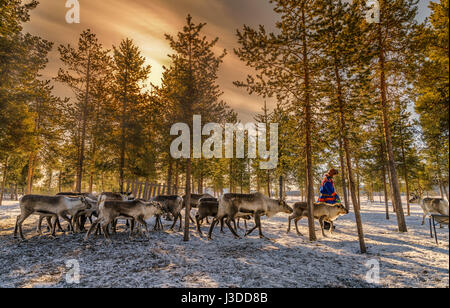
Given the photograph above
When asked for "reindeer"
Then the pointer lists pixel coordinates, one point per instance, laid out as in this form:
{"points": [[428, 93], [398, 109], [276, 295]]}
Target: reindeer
{"points": [[322, 212], [137, 210], [80, 220], [48, 206], [430, 205], [195, 199], [113, 196], [206, 207], [171, 205], [232, 206]]}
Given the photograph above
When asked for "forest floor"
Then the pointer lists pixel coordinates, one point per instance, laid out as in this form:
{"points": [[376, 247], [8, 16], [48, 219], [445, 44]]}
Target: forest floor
{"points": [[405, 260]]}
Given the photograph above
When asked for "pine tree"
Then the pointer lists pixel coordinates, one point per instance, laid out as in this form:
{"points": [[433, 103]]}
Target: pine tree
{"points": [[84, 66], [284, 68], [22, 57], [130, 75], [339, 35], [194, 71], [391, 37]]}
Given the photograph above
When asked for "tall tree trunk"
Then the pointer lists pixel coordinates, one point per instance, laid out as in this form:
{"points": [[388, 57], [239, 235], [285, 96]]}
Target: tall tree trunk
{"points": [[343, 133], [200, 183], [308, 124], [388, 137], [188, 200], [50, 173], [441, 189], [59, 180], [231, 175], [386, 199], [358, 182], [445, 190], [176, 178], [16, 197], [30, 174], [343, 176], [405, 170], [5, 175], [80, 164], [269, 188], [169, 176]]}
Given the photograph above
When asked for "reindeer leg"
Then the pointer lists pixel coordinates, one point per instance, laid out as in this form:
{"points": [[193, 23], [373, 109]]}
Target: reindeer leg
{"points": [[321, 225], [53, 235], [331, 227], [258, 222], [174, 222], [142, 222], [252, 229], [197, 218], [94, 225], [49, 224], [82, 223], [221, 225], [289, 223], [296, 226], [69, 221], [38, 230], [423, 220], [58, 224], [211, 228], [20, 219], [105, 230], [227, 221], [16, 227], [160, 223], [181, 222]]}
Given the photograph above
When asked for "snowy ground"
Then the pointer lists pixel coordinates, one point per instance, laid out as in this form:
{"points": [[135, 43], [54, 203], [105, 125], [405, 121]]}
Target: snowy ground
{"points": [[406, 260]]}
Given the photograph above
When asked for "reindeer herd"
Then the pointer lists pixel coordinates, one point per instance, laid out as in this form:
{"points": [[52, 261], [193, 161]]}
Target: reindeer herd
{"points": [[105, 210]]}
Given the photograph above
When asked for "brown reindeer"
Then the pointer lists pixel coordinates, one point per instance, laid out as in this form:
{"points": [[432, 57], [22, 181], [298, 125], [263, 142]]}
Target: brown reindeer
{"points": [[232, 206]]}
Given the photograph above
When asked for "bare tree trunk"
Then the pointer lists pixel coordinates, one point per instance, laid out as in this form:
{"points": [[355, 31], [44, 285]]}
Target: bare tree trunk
{"points": [[50, 173], [59, 180], [388, 138], [343, 176], [169, 177], [269, 188], [358, 182], [405, 170], [343, 133], [441, 189], [5, 175], [31, 164], [308, 124], [386, 199], [187, 213], [445, 190], [200, 183], [176, 178], [80, 164]]}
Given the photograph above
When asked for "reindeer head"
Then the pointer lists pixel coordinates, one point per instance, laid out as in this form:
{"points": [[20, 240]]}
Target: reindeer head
{"points": [[87, 204], [284, 208], [342, 209], [415, 198], [157, 207]]}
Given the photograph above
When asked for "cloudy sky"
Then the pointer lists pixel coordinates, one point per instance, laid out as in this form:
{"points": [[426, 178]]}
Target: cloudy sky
{"points": [[146, 22]]}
